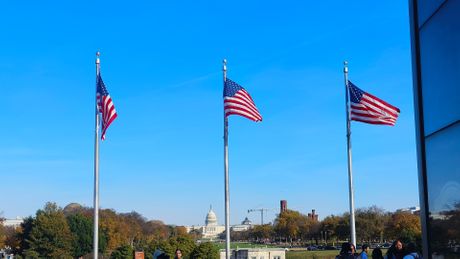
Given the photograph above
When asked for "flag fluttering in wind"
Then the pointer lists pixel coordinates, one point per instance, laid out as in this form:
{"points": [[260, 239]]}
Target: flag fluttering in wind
{"points": [[104, 106], [237, 101], [369, 109]]}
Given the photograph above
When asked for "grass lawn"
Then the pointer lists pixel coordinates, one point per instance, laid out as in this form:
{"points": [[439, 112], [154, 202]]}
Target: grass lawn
{"points": [[326, 254]]}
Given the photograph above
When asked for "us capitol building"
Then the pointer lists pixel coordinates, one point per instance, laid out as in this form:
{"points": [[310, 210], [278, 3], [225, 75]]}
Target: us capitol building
{"points": [[212, 229]]}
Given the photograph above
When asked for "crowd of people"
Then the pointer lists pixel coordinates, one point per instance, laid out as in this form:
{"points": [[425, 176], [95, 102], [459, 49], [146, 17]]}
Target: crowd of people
{"points": [[398, 250]]}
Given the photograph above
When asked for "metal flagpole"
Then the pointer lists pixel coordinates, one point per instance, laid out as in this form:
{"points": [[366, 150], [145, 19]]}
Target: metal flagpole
{"points": [[227, 195], [96, 171], [350, 174]]}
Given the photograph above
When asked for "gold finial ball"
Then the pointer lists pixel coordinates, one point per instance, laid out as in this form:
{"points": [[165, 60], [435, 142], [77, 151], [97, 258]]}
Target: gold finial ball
{"points": [[225, 61], [98, 53], [345, 62]]}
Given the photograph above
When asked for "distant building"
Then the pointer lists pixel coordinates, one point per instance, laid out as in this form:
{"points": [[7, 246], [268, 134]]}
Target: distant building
{"points": [[13, 222], [412, 210], [245, 225], [283, 206], [313, 215], [255, 253], [212, 229]]}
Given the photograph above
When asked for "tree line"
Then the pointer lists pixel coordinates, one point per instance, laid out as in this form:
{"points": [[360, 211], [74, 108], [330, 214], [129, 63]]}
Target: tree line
{"points": [[373, 225], [68, 233]]}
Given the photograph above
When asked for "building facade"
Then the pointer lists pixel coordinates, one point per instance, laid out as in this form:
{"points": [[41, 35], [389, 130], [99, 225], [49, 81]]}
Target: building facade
{"points": [[255, 253], [435, 38], [15, 223]]}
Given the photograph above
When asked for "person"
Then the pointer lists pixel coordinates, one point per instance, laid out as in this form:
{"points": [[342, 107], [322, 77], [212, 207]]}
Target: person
{"points": [[178, 254], [377, 253], [346, 252], [159, 254], [365, 250], [411, 252], [353, 250], [396, 250]]}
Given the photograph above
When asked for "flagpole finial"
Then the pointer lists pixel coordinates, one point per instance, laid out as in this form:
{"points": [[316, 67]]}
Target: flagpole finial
{"points": [[345, 66], [224, 63], [98, 54]]}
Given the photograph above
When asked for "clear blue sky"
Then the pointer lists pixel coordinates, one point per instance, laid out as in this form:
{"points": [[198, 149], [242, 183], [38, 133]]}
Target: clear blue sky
{"points": [[161, 62]]}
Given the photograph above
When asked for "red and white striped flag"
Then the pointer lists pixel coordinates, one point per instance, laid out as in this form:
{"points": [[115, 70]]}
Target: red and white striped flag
{"points": [[104, 106], [369, 109], [237, 101]]}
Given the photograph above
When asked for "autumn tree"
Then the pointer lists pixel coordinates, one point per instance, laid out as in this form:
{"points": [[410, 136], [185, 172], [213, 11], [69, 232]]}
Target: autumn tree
{"points": [[156, 230], [196, 234], [404, 225], [12, 239], [2, 233], [260, 232], [115, 228], [291, 224], [50, 235], [134, 222], [180, 231], [308, 227]]}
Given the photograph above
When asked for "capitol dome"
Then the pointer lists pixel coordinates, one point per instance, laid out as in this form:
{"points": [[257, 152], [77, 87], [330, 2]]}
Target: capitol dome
{"points": [[246, 221], [211, 218]]}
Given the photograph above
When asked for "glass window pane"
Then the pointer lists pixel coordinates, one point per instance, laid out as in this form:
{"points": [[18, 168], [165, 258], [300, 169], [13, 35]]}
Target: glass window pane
{"points": [[440, 58], [443, 175], [426, 8]]}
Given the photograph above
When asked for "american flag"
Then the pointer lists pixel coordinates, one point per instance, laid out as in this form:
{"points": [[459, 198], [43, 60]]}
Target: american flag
{"points": [[369, 109], [238, 102], [104, 106]]}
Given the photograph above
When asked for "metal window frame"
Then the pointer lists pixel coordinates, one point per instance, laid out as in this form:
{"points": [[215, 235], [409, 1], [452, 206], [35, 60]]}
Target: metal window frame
{"points": [[419, 126]]}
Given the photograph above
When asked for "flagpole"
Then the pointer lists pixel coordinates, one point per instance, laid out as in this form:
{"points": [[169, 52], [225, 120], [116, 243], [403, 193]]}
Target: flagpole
{"points": [[350, 173], [227, 195], [96, 171]]}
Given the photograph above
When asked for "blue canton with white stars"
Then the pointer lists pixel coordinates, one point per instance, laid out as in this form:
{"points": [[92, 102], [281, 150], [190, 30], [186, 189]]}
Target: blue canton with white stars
{"points": [[355, 93], [101, 87], [231, 88]]}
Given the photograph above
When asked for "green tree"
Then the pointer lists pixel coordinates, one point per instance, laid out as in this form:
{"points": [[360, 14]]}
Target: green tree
{"points": [[50, 235], [330, 225], [370, 223], [205, 250], [260, 232], [123, 252], [185, 243], [82, 230], [24, 234]]}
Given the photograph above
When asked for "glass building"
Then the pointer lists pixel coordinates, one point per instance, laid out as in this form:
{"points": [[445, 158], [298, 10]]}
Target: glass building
{"points": [[435, 37]]}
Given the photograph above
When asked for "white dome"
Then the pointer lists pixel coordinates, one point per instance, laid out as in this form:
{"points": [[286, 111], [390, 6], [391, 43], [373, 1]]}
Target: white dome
{"points": [[211, 218]]}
